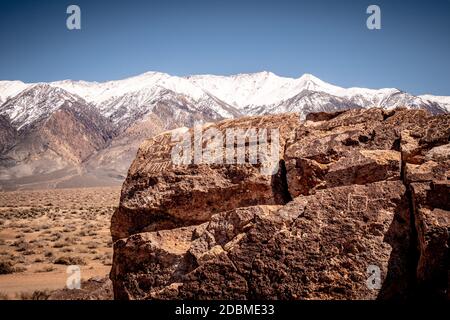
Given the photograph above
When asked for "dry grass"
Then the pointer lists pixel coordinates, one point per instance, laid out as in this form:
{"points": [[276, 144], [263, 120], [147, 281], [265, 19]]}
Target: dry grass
{"points": [[42, 231], [71, 260], [6, 267], [35, 295]]}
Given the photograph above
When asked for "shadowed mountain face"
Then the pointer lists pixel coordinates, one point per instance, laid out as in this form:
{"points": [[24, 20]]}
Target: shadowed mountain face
{"points": [[7, 134], [56, 145], [63, 141], [358, 209], [77, 133]]}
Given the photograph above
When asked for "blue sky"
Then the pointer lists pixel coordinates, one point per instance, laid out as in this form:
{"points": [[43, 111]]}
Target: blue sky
{"points": [[327, 38]]}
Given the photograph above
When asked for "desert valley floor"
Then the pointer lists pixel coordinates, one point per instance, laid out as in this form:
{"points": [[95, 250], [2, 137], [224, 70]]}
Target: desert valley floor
{"points": [[44, 231]]}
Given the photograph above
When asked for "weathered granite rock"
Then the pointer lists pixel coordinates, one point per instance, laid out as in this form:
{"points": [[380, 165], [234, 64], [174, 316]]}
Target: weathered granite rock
{"points": [[357, 194], [158, 194], [315, 247], [430, 188], [352, 167], [426, 155], [354, 147], [147, 261], [96, 288]]}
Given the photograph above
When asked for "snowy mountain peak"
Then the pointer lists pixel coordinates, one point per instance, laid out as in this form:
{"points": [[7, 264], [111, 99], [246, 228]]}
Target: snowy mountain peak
{"points": [[221, 96], [256, 75], [312, 83], [36, 102], [443, 101], [99, 92], [309, 77], [9, 89]]}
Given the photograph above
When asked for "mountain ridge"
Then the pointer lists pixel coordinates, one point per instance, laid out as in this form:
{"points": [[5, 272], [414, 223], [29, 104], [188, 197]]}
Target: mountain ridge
{"points": [[197, 85], [116, 116]]}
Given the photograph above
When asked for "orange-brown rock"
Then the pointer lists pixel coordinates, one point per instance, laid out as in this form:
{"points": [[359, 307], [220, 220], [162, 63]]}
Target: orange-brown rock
{"points": [[315, 247], [355, 147], [158, 194], [358, 209]]}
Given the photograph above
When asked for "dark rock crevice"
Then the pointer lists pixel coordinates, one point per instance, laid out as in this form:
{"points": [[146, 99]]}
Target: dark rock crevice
{"points": [[412, 249], [413, 254], [280, 184]]}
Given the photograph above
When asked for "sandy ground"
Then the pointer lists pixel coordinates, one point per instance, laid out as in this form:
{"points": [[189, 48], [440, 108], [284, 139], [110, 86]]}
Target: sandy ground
{"points": [[42, 232], [27, 282]]}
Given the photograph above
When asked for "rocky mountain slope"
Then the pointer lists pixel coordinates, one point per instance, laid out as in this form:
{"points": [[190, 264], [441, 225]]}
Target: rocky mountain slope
{"points": [[127, 111], [8, 134], [267, 93], [123, 101], [357, 209], [55, 132], [246, 94], [9, 89], [442, 101]]}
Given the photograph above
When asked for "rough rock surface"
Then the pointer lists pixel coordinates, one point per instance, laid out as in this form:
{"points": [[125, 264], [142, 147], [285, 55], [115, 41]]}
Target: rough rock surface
{"points": [[157, 193], [358, 208], [97, 288]]}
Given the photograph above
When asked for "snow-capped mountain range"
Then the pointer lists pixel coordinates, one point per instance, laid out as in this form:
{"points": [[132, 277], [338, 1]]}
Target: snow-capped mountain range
{"points": [[68, 132], [224, 96]]}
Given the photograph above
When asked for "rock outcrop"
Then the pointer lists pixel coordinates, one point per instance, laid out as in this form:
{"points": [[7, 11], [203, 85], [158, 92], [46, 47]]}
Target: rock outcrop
{"points": [[357, 207], [96, 288], [157, 193]]}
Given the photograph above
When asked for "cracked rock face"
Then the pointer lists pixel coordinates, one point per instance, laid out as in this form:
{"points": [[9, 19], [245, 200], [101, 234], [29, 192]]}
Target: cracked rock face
{"points": [[357, 208], [159, 195]]}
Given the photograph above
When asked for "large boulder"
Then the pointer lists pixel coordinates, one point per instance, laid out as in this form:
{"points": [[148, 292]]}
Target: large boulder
{"points": [[429, 184], [354, 147], [159, 193], [315, 247], [357, 207], [426, 154]]}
